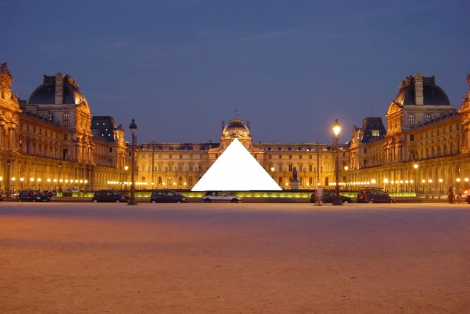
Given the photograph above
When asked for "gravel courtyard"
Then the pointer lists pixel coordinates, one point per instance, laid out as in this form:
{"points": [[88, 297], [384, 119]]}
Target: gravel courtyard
{"points": [[234, 258]]}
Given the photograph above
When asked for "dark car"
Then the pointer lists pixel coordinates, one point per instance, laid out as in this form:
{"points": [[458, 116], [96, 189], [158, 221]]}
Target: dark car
{"points": [[329, 196], [109, 196], [374, 195], [217, 196], [33, 196], [167, 196]]}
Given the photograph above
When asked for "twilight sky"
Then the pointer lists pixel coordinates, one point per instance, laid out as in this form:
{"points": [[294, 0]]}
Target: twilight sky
{"points": [[179, 67]]}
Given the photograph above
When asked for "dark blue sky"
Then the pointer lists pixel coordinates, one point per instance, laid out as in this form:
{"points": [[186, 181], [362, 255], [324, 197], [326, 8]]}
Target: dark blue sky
{"points": [[290, 67]]}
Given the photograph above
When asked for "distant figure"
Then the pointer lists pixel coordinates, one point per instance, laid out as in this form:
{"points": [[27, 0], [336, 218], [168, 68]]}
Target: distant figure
{"points": [[450, 194], [294, 173], [458, 195], [318, 196]]}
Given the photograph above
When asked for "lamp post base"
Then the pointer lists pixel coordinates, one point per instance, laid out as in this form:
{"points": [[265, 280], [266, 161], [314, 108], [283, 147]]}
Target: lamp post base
{"points": [[132, 201], [337, 201]]}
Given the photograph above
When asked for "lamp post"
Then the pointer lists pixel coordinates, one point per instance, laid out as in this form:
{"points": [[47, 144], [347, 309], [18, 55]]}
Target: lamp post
{"points": [[272, 172], [13, 182], [7, 182], [132, 200], [60, 176], [336, 131], [416, 180]]}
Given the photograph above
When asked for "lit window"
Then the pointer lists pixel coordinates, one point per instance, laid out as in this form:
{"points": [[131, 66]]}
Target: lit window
{"points": [[375, 133]]}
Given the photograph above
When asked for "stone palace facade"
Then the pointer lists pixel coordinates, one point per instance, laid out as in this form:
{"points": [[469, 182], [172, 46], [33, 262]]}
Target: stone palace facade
{"points": [[52, 141]]}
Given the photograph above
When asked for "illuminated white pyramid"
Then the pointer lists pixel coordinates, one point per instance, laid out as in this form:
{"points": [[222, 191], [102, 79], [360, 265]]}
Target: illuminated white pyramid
{"points": [[236, 170]]}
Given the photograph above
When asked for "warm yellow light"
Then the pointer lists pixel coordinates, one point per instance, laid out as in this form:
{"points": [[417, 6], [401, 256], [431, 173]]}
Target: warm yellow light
{"points": [[21, 179], [458, 180], [39, 179], [411, 181], [406, 181], [415, 166], [86, 181], [440, 180], [385, 180], [373, 181], [430, 180], [66, 180], [272, 168], [336, 128], [32, 179], [423, 181], [13, 179], [1, 178], [126, 168], [346, 168], [81, 181], [55, 180], [401, 181], [48, 180]]}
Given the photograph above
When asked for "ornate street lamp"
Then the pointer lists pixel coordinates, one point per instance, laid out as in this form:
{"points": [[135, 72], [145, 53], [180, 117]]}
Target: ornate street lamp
{"points": [[336, 131], [132, 200], [416, 179]]}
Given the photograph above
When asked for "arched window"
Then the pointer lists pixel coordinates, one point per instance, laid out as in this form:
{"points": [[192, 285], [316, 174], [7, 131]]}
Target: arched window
{"points": [[411, 119]]}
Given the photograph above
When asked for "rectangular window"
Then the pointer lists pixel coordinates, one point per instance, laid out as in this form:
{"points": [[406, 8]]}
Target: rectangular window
{"points": [[375, 133], [365, 150], [280, 156], [181, 156], [290, 156], [270, 157], [110, 149], [300, 156], [310, 167], [169, 156], [412, 137], [310, 157]]}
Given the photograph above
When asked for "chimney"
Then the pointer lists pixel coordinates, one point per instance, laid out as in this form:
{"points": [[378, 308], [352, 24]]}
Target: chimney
{"points": [[59, 88], [418, 78]]}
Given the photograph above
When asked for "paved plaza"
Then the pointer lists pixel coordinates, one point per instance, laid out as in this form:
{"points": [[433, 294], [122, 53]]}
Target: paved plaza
{"points": [[234, 258]]}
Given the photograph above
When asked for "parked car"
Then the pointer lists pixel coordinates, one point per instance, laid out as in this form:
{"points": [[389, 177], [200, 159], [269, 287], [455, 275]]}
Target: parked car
{"points": [[167, 196], [329, 196], [33, 196], [466, 195], [109, 196], [216, 196], [374, 195]]}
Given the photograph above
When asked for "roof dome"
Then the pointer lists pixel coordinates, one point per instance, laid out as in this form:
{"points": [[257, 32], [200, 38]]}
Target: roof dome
{"points": [[45, 93], [432, 94], [236, 128]]}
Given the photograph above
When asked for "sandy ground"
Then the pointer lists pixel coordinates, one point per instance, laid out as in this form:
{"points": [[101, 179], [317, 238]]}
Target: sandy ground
{"points": [[234, 258]]}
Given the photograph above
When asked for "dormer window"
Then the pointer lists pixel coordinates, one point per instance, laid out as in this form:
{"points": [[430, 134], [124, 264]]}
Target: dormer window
{"points": [[411, 120], [66, 118]]}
